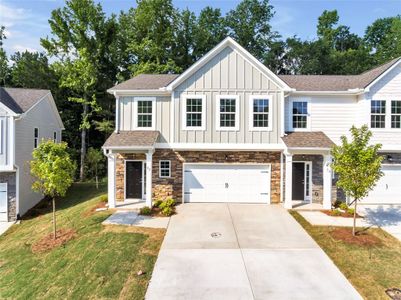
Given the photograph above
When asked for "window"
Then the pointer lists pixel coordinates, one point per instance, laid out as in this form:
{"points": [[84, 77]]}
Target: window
{"points": [[227, 108], [378, 114], [55, 136], [1, 134], [260, 113], [35, 138], [165, 168], [144, 114], [299, 114], [194, 112], [396, 114]]}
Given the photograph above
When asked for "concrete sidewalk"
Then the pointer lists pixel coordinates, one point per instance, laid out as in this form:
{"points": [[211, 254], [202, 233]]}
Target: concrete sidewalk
{"points": [[242, 251]]}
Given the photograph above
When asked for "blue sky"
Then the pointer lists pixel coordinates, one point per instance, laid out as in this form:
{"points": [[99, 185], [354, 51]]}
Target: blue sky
{"points": [[26, 21]]}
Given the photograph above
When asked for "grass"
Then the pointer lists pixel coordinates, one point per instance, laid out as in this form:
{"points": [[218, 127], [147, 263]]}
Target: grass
{"points": [[101, 262], [370, 269]]}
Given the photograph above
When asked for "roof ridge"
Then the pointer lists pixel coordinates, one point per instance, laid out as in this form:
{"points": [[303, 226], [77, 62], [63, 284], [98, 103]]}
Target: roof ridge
{"points": [[390, 62]]}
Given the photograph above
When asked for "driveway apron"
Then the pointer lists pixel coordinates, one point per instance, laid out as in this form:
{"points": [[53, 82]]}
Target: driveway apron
{"points": [[242, 251]]}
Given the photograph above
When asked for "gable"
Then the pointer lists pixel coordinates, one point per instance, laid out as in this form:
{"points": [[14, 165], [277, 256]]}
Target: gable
{"points": [[389, 85], [228, 69]]}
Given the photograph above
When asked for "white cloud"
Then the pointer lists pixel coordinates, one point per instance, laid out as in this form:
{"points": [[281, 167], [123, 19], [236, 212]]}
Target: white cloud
{"points": [[21, 48], [11, 15]]}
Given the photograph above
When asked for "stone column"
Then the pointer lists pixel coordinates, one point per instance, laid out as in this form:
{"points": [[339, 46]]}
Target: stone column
{"points": [[149, 155], [327, 181], [111, 174], [288, 181]]}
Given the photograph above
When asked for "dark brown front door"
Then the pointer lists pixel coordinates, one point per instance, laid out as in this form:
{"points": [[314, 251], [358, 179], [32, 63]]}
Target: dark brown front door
{"points": [[133, 180], [298, 181]]}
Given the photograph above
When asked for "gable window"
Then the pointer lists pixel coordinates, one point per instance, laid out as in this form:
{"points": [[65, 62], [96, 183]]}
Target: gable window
{"points": [[165, 168], [299, 114], [227, 112], [378, 114], [144, 109], [35, 137], [260, 118], [194, 112], [396, 114]]}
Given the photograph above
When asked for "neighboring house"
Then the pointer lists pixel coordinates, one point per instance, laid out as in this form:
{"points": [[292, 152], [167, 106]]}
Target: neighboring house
{"points": [[27, 116], [230, 130]]}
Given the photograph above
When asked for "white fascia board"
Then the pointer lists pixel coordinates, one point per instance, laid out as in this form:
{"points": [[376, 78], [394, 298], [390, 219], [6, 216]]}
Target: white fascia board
{"points": [[307, 150], [390, 148], [328, 93], [219, 146], [367, 89], [9, 111], [128, 148], [156, 92], [239, 49]]}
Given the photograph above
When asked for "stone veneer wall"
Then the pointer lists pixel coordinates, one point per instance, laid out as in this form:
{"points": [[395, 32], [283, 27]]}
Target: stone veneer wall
{"points": [[11, 179], [163, 188]]}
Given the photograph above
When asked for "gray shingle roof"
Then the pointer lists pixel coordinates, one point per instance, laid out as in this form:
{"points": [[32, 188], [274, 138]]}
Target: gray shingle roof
{"points": [[146, 82], [305, 139], [20, 100], [140, 138]]}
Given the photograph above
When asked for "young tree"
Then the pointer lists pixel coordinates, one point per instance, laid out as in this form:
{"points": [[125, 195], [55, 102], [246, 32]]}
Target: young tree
{"points": [[357, 164], [94, 159], [53, 171]]}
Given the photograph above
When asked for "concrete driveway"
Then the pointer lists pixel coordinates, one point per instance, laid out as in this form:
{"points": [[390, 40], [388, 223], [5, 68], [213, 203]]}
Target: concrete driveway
{"points": [[242, 251], [387, 217]]}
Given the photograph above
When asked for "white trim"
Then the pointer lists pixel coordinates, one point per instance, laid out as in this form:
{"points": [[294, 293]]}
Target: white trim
{"points": [[218, 113], [17, 186], [8, 110], [252, 98], [148, 165], [11, 140], [308, 115], [219, 146], [240, 50], [327, 181], [6, 188], [184, 112], [125, 178], [135, 118], [160, 168], [111, 179], [117, 112], [288, 181], [172, 118], [282, 113], [309, 163], [367, 89], [155, 92], [387, 123], [353, 92]]}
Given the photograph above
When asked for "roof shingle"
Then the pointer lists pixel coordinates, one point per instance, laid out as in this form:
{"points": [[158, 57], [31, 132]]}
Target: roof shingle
{"points": [[140, 138], [20, 100], [307, 139], [146, 82]]}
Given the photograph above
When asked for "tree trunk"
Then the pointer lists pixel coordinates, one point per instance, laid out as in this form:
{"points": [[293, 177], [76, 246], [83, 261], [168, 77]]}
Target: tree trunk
{"points": [[54, 218], [83, 145], [354, 226], [97, 181]]}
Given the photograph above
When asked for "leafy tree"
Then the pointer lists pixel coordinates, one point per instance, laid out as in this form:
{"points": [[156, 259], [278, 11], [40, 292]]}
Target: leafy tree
{"points": [[249, 25], [357, 164], [53, 171], [4, 69], [95, 162], [184, 39]]}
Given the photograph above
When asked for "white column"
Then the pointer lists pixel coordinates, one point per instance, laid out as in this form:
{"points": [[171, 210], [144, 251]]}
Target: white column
{"points": [[111, 180], [149, 155], [327, 181], [288, 181], [117, 129], [11, 138]]}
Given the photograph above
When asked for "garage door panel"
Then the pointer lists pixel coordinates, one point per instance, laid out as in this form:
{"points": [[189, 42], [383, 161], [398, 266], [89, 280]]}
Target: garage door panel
{"points": [[227, 183]]}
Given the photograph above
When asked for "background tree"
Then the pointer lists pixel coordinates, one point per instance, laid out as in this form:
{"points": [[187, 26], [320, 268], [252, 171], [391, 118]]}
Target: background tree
{"points": [[53, 171], [95, 163], [357, 164], [4, 69]]}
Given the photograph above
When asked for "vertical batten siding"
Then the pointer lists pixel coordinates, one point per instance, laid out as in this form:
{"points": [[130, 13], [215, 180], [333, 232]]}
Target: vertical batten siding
{"points": [[5, 138], [228, 73]]}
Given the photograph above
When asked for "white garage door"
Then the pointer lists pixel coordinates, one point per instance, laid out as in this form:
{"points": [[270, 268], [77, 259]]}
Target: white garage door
{"points": [[388, 189], [227, 183]]}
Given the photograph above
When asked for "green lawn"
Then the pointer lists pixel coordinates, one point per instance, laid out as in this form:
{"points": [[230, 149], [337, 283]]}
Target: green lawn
{"points": [[371, 269], [99, 263]]}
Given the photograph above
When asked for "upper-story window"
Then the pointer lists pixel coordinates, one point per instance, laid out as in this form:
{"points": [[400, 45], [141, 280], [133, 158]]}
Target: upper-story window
{"points": [[260, 113], [35, 137], [144, 109], [378, 114], [396, 114], [299, 114], [194, 112], [227, 108]]}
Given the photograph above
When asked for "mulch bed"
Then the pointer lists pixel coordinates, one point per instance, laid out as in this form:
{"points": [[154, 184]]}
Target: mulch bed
{"points": [[48, 242], [157, 212], [361, 238], [343, 214], [92, 210]]}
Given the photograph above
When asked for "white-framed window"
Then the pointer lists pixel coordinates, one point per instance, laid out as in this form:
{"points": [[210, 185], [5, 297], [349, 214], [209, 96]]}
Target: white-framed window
{"points": [[144, 113], [299, 115], [260, 117], [164, 168], [2, 135], [396, 114], [378, 114], [55, 136], [227, 112], [194, 112], [35, 137]]}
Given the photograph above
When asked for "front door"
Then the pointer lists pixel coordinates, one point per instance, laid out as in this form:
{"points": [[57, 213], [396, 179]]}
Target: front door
{"points": [[298, 181], [133, 180]]}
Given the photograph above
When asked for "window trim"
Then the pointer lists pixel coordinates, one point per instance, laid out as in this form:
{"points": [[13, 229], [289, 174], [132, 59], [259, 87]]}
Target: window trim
{"points": [[160, 168], [308, 118], [2, 135], [388, 114], [251, 114], [184, 113], [218, 113], [385, 114], [395, 114], [35, 139], [135, 118]]}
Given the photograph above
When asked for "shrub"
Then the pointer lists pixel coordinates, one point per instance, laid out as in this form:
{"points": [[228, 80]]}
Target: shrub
{"points": [[336, 212], [351, 211], [157, 203], [146, 211], [167, 211], [344, 206], [103, 198], [337, 203], [167, 203]]}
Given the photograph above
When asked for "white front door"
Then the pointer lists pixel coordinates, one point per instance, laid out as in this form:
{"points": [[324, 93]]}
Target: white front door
{"points": [[240, 183], [3, 202], [388, 188]]}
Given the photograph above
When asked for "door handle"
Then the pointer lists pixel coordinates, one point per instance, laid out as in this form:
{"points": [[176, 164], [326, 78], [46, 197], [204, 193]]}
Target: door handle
{"points": [[226, 185]]}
